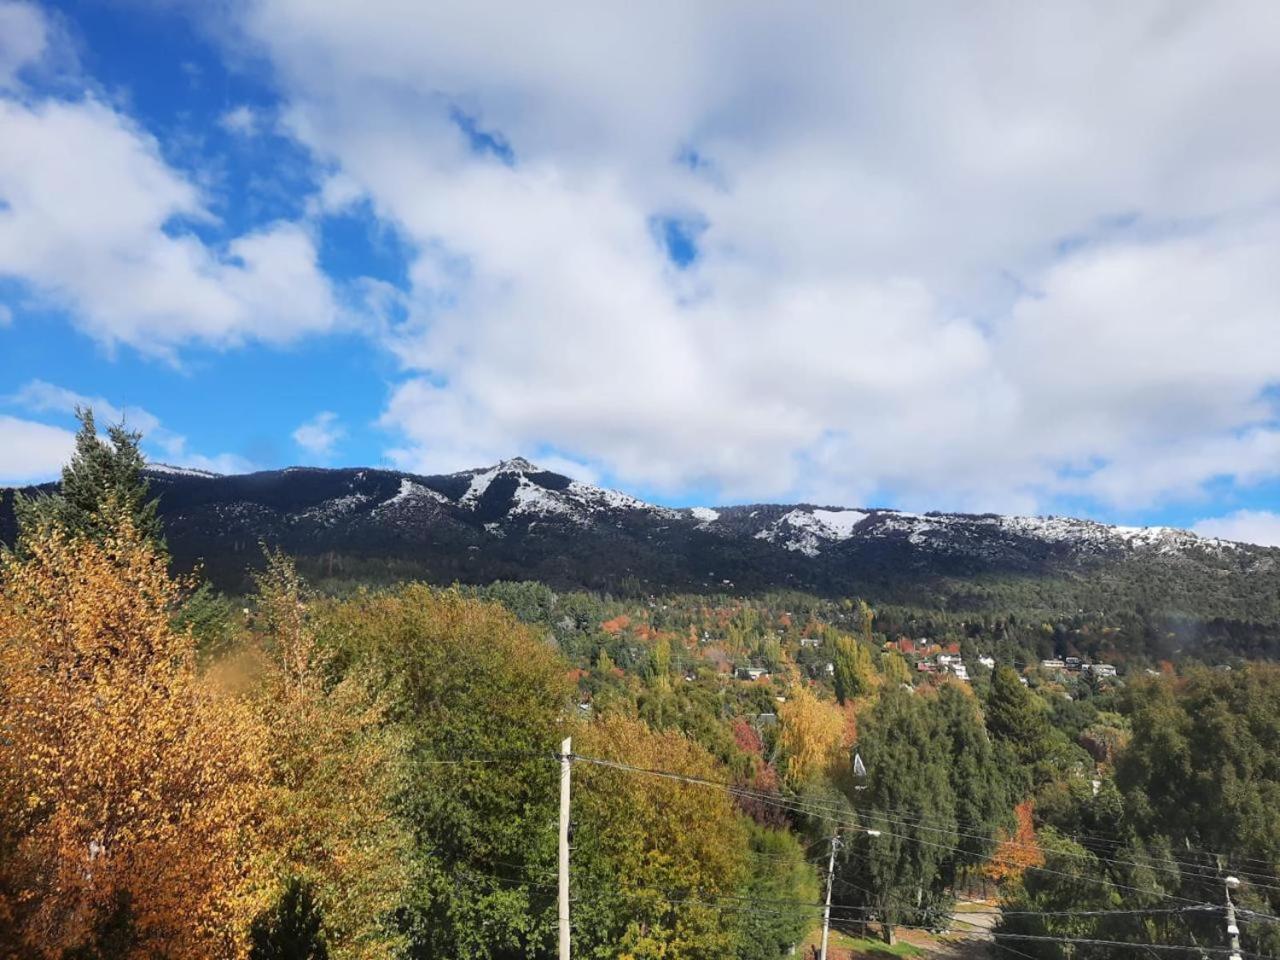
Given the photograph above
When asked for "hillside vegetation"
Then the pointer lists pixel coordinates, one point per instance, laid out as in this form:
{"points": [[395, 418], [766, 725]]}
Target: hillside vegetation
{"points": [[371, 771]]}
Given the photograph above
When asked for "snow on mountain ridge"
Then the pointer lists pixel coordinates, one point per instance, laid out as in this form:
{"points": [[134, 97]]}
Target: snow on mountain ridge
{"points": [[803, 529]]}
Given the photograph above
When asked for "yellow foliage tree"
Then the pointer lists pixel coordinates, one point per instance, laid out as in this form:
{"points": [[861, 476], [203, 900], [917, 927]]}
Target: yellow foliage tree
{"points": [[335, 766], [651, 854], [130, 778], [809, 736]]}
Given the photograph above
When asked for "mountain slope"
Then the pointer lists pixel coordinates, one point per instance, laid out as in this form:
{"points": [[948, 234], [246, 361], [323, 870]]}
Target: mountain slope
{"points": [[515, 520]]}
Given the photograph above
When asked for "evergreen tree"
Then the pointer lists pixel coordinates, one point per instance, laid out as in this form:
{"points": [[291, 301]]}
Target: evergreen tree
{"points": [[290, 930], [910, 801], [102, 485], [1015, 721], [779, 876], [983, 803]]}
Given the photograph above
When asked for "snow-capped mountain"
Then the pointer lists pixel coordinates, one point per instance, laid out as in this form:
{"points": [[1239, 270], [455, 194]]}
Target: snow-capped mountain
{"points": [[515, 520]]}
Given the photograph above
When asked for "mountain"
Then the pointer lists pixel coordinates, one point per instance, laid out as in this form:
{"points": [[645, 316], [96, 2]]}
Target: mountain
{"points": [[517, 521]]}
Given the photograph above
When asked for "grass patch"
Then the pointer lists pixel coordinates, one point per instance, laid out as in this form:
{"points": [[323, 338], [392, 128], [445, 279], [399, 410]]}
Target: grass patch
{"points": [[871, 946]]}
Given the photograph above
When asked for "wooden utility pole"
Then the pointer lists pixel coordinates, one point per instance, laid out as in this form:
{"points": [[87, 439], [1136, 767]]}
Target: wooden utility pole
{"points": [[826, 911], [566, 750]]}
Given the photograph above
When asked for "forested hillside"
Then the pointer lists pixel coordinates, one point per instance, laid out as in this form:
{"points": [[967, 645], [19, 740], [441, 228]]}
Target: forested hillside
{"points": [[374, 771], [1159, 592]]}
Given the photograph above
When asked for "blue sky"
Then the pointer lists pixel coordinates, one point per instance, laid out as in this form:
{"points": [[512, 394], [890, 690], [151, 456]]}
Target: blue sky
{"points": [[1012, 260]]}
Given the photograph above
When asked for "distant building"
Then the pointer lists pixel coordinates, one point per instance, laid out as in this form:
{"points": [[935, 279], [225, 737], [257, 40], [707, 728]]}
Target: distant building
{"points": [[947, 659], [924, 666], [1073, 664], [752, 673], [810, 641], [961, 671], [1100, 669], [988, 662], [1053, 664]]}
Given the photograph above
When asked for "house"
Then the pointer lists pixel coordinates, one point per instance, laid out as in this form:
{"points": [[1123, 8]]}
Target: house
{"points": [[904, 645], [1073, 664], [961, 671], [947, 659], [924, 666], [1053, 664], [810, 641], [988, 662], [1100, 669], [752, 673]]}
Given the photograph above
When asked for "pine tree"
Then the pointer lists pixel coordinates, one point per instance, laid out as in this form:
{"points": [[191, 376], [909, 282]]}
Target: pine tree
{"points": [[291, 930], [1014, 718], [102, 485]]}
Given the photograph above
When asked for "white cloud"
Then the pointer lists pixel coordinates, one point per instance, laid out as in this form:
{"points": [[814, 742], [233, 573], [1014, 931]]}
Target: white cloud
{"points": [[159, 442], [95, 221], [31, 452], [319, 435], [6, 316], [24, 36], [982, 257], [1247, 526], [242, 121]]}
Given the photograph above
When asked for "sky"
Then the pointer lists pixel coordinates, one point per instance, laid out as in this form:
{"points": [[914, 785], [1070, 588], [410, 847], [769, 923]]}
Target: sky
{"points": [[991, 257]]}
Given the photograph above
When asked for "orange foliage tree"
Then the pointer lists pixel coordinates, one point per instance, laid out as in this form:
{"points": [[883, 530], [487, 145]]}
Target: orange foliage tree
{"points": [[128, 778], [1016, 853]]}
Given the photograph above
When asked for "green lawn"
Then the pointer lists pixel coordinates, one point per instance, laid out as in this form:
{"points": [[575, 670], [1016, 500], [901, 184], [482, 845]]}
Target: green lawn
{"points": [[870, 946]]}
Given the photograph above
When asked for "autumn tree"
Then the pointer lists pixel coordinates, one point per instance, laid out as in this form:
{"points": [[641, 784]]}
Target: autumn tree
{"points": [[330, 829], [652, 856], [1016, 849], [854, 669], [131, 781], [809, 736]]}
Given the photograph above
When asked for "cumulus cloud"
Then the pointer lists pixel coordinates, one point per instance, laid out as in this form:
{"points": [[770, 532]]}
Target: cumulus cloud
{"points": [[163, 444], [1247, 526], [320, 435], [95, 221], [984, 257], [31, 452], [92, 220]]}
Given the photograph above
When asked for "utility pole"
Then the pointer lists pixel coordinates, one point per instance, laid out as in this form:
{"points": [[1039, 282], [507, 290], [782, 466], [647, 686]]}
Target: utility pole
{"points": [[566, 757], [1233, 930], [831, 876]]}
